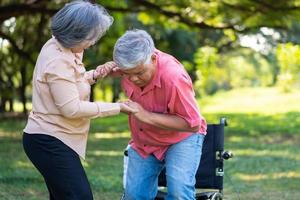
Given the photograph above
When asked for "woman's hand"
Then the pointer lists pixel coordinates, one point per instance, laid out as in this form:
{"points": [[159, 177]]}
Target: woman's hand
{"points": [[126, 108], [103, 70]]}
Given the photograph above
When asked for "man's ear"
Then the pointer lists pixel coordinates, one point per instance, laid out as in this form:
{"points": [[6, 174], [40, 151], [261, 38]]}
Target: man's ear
{"points": [[153, 58]]}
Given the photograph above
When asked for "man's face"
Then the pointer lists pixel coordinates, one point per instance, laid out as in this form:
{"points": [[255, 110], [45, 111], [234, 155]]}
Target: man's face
{"points": [[141, 75]]}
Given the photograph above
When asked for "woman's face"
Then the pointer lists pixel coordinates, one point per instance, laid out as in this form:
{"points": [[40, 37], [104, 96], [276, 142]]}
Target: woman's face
{"points": [[82, 46]]}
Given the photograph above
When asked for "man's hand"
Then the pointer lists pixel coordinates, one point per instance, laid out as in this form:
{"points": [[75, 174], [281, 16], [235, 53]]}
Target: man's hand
{"points": [[141, 114]]}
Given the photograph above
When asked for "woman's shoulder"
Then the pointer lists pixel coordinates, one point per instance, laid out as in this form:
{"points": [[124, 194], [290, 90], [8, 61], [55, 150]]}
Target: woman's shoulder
{"points": [[51, 53]]}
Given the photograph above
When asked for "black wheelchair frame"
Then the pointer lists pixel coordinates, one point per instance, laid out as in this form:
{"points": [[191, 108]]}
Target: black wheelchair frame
{"points": [[209, 176]]}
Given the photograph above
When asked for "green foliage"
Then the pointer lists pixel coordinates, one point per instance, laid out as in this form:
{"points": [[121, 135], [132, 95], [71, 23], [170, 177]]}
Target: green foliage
{"points": [[178, 27], [234, 69], [247, 68], [288, 56], [206, 59]]}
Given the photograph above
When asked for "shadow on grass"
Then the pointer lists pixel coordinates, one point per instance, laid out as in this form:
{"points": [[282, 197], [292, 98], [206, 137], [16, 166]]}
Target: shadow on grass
{"points": [[268, 129], [239, 123], [257, 124], [21, 180], [113, 124], [266, 161]]}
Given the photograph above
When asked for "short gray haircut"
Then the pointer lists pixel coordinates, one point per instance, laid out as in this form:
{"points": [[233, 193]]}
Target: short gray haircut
{"points": [[134, 48], [79, 21]]}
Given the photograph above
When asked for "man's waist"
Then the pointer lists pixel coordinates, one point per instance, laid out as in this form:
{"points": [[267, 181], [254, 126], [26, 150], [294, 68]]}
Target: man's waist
{"points": [[158, 139]]}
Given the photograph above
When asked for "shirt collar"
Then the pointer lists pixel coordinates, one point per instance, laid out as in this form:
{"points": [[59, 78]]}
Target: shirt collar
{"points": [[59, 46], [156, 81], [77, 57]]}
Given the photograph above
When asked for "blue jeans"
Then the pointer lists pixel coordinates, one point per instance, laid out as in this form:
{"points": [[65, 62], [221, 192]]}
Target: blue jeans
{"points": [[181, 161]]}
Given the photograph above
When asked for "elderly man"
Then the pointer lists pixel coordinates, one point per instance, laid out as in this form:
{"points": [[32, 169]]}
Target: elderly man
{"points": [[168, 130]]}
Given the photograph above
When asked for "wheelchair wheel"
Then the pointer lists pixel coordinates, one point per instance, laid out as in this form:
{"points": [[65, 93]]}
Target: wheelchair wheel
{"points": [[123, 196], [216, 196], [209, 196]]}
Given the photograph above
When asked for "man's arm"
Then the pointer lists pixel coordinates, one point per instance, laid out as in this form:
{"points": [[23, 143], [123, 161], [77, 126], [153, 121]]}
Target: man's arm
{"points": [[164, 121], [170, 122]]}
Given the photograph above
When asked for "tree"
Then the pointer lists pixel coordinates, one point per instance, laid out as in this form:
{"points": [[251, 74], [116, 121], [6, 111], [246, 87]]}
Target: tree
{"points": [[188, 23]]}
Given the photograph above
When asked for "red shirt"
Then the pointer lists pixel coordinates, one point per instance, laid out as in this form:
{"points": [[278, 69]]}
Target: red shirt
{"points": [[171, 92]]}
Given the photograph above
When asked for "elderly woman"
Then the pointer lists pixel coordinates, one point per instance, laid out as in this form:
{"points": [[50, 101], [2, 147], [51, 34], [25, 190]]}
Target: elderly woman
{"points": [[56, 133], [167, 130]]}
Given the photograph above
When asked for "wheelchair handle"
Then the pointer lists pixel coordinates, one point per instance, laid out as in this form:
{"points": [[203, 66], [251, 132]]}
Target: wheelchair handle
{"points": [[223, 121]]}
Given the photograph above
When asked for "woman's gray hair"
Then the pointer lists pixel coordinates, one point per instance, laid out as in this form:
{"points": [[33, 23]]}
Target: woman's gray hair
{"points": [[134, 48], [79, 21]]}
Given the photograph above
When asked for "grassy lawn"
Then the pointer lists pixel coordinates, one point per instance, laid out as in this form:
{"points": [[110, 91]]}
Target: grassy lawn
{"points": [[263, 133]]}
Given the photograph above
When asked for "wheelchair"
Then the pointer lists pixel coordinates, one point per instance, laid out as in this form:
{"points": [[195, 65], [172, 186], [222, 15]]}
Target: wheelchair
{"points": [[209, 176]]}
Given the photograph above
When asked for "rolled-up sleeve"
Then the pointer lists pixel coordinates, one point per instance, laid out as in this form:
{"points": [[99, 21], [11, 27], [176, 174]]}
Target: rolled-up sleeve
{"points": [[61, 78], [183, 103], [89, 77]]}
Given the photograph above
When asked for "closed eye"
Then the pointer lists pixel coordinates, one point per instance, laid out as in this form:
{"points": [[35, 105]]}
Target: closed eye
{"points": [[138, 74]]}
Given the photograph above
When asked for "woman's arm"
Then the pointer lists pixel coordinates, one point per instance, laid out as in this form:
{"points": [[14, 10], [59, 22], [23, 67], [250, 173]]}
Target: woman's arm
{"points": [[66, 98], [61, 78], [108, 69]]}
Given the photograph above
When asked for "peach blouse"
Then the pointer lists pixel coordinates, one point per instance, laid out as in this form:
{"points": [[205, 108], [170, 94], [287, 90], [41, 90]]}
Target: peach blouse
{"points": [[60, 98]]}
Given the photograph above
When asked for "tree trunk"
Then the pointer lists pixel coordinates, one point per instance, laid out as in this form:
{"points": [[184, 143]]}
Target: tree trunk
{"points": [[92, 96], [11, 89], [11, 104], [116, 90], [2, 104], [23, 89], [275, 75], [193, 73]]}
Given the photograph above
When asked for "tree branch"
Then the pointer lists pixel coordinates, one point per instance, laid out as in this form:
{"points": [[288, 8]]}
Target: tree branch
{"points": [[38, 6], [23, 9], [239, 7], [276, 7], [16, 10], [179, 16], [201, 25], [19, 51]]}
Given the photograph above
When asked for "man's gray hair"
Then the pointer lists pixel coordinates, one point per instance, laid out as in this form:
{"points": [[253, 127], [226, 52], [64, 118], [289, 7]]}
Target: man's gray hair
{"points": [[79, 21], [134, 48]]}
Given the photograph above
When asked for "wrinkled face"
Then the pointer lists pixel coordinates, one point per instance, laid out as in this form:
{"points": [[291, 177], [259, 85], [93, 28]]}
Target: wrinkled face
{"points": [[141, 75]]}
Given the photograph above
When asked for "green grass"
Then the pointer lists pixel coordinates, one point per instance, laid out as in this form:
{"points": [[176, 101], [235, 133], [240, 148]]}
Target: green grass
{"points": [[263, 133]]}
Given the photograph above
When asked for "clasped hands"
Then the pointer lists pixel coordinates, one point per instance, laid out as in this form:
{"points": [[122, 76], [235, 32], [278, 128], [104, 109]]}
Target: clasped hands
{"points": [[135, 109]]}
